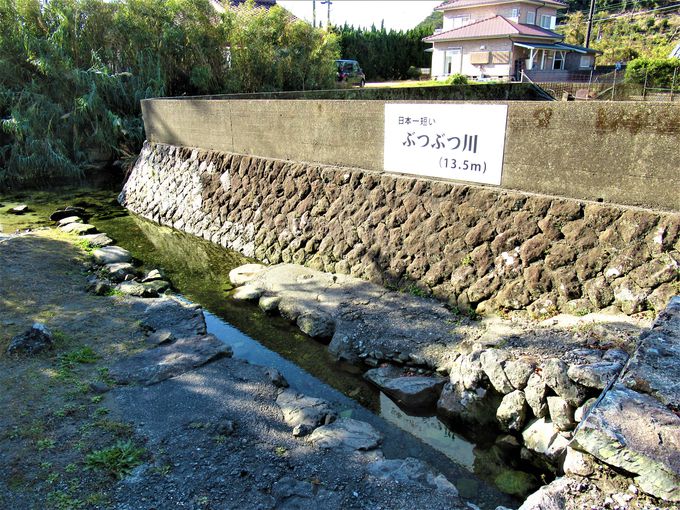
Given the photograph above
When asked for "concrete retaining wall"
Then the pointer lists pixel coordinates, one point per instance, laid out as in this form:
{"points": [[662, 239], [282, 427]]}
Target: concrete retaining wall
{"points": [[625, 153], [475, 247]]}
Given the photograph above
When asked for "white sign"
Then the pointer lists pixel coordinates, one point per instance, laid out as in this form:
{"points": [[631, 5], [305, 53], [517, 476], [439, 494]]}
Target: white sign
{"points": [[447, 141]]}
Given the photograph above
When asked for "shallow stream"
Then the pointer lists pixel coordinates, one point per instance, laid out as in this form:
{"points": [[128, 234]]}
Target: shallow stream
{"points": [[199, 271]]}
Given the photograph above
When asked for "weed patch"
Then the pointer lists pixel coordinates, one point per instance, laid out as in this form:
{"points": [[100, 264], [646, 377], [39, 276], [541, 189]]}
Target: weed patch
{"points": [[117, 460]]}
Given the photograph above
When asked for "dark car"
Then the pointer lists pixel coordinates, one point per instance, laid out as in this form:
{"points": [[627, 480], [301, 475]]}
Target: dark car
{"points": [[350, 72]]}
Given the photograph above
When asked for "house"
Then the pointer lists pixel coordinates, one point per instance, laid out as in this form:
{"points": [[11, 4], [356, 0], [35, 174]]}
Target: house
{"points": [[219, 7], [500, 39]]}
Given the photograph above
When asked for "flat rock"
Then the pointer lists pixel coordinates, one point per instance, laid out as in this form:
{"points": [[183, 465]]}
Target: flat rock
{"points": [[411, 391], [304, 413], [69, 219], [152, 276], [243, 274], [410, 470], [346, 434], [111, 255], [79, 229], [36, 339], [98, 240], [19, 209], [160, 363], [160, 337], [636, 433], [174, 315]]}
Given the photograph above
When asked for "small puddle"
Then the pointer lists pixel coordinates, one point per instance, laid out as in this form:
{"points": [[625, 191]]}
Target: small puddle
{"points": [[199, 270]]}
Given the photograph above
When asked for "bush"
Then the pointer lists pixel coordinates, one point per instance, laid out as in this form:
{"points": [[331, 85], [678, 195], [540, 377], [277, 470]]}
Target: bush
{"points": [[658, 72], [73, 72], [457, 79], [413, 73]]}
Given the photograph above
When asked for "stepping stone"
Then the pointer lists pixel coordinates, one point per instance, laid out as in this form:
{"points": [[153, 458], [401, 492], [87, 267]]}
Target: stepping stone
{"points": [[346, 434], [243, 274], [415, 392], [111, 255], [304, 413], [19, 209], [156, 365], [181, 318], [79, 228], [98, 240], [119, 271], [69, 219]]}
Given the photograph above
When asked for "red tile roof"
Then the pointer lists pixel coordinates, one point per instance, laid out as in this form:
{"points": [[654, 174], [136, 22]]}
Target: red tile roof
{"points": [[455, 4], [493, 27]]}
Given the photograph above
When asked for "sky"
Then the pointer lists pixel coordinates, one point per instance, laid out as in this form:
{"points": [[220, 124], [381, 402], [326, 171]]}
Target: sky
{"points": [[398, 14]]}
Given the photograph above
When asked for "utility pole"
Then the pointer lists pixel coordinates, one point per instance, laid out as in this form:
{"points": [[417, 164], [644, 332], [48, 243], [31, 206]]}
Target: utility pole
{"points": [[591, 13], [314, 13], [328, 2]]}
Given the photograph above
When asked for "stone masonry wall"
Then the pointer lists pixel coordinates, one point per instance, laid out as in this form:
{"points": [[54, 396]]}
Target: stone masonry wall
{"points": [[475, 247]]}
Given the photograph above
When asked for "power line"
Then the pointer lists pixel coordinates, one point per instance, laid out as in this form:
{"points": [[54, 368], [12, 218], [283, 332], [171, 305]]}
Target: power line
{"points": [[624, 14]]}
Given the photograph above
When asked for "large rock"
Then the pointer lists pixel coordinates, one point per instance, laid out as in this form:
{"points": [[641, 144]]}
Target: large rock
{"points": [[595, 375], [415, 392], [553, 496], [136, 289], [304, 413], [513, 411], [518, 372], [156, 365], [19, 209], [539, 436], [561, 413], [556, 377], [36, 339], [636, 433], [654, 368], [492, 363], [316, 323], [346, 434], [179, 317], [536, 393], [471, 408], [111, 255]]}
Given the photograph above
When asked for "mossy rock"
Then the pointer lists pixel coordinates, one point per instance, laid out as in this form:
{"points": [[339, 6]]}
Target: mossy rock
{"points": [[516, 483]]}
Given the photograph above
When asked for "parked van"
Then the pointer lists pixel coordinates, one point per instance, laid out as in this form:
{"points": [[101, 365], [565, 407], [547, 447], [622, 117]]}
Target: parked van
{"points": [[350, 72]]}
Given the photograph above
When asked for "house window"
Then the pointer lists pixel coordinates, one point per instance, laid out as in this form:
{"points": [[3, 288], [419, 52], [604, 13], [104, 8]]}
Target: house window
{"points": [[586, 61], [514, 14], [558, 62], [547, 21], [531, 18], [460, 21]]}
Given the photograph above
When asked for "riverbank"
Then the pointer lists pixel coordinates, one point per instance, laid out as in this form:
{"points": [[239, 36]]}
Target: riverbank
{"points": [[220, 418]]}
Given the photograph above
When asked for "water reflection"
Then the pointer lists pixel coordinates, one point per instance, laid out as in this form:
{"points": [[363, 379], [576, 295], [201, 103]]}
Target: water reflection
{"points": [[431, 431]]}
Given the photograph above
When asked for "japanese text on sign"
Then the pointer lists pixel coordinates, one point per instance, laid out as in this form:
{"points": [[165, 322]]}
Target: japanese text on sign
{"points": [[451, 141]]}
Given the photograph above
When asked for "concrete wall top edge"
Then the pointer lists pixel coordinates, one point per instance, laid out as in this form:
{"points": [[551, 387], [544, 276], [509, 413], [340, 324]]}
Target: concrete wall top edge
{"points": [[620, 152]]}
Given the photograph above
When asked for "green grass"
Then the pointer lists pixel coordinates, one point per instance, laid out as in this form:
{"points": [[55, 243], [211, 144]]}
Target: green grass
{"points": [[118, 460]]}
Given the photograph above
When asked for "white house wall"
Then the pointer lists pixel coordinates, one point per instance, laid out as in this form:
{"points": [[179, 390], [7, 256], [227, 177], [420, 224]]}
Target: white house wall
{"points": [[495, 71], [488, 11]]}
